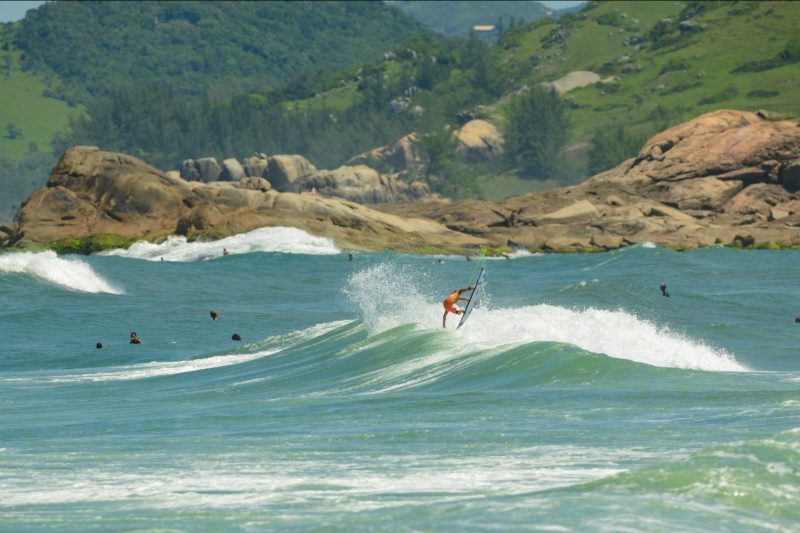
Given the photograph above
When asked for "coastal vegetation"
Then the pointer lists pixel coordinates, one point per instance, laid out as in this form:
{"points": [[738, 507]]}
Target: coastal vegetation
{"points": [[659, 63]]}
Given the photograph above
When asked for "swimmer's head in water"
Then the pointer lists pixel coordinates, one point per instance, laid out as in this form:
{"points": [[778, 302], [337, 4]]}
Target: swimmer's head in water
{"points": [[236, 337], [99, 345], [214, 315]]}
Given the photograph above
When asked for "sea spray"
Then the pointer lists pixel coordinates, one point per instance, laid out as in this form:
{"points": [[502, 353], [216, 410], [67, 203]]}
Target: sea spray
{"points": [[71, 273], [391, 295], [277, 240]]}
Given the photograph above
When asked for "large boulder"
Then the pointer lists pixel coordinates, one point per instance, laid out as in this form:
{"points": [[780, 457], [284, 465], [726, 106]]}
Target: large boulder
{"points": [[790, 175], [232, 170], [285, 169], [208, 168], [189, 170], [95, 199], [716, 144], [726, 177], [480, 140], [361, 184], [696, 184], [91, 192], [402, 156], [255, 184], [204, 169], [256, 165]]}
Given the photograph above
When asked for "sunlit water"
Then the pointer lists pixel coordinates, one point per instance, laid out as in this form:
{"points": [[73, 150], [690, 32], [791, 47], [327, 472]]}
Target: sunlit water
{"points": [[576, 397]]}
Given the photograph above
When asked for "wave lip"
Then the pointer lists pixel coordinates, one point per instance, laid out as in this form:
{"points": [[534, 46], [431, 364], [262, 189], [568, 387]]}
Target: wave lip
{"points": [[277, 240], [70, 273], [617, 334]]}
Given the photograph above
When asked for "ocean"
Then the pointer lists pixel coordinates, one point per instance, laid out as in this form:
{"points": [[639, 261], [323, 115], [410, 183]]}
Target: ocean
{"points": [[575, 398]]}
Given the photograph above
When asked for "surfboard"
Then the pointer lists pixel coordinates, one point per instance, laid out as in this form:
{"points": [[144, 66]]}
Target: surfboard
{"points": [[472, 302]]}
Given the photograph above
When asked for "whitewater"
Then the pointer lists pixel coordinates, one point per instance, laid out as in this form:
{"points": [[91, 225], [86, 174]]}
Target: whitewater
{"points": [[576, 397]]}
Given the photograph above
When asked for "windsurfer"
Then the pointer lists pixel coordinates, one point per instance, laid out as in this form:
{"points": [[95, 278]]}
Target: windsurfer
{"points": [[450, 303]]}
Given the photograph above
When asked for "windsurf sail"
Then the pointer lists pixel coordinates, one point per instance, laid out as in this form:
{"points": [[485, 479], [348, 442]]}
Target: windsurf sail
{"points": [[473, 299]]}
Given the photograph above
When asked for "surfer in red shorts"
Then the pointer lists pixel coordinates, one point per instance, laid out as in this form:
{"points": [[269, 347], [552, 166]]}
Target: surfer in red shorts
{"points": [[450, 303]]}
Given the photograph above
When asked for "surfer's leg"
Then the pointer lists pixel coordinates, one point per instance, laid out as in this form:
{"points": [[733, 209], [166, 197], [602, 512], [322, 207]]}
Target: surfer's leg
{"points": [[444, 319]]}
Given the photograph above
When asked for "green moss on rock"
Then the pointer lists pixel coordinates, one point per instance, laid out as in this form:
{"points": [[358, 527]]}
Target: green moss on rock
{"points": [[91, 244]]}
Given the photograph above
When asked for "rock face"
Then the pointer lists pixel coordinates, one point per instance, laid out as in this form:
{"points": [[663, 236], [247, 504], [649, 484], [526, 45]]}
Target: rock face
{"points": [[403, 156], [203, 169], [360, 184], [92, 194], [255, 166], [727, 177], [232, 170], [480, 140], [285, 169]]}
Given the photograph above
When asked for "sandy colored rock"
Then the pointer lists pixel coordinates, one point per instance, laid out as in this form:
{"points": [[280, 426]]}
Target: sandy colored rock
{"points": [[696, 184], [722, 178], [255, 166], [360, 183], [580, 209], [607, 242], [574, 80], [480, 140], [92, 193], [232, 170], [402, 156], [285, 169]]}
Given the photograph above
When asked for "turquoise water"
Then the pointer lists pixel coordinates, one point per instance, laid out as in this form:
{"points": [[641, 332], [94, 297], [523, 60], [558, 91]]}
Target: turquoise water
{"points": [[576, 397]]}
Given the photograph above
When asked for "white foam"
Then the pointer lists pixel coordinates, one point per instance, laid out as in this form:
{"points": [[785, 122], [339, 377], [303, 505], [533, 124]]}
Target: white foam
{"points": [[338, 484], [278, 239], [154, 369], [388, 298], [72, 273], [618, 334]]}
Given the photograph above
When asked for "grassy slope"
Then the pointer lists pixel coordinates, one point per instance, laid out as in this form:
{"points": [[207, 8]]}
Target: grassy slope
{"points": [[729, 40], [37, 116], [733, 35], [646, 100]]}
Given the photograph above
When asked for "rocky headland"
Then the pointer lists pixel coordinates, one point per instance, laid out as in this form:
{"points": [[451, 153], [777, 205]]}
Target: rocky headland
{"points": [[724, 178]]}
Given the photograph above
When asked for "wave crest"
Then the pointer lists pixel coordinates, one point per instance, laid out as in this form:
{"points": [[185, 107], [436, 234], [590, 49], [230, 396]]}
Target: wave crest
{"points": [[389, 296], [278, 239], [71, 273]]}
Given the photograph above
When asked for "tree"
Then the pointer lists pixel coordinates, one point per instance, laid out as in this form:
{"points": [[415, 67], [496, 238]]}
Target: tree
{"points": [[611, 147], [536, 132], [436, 147], [13, 131]]}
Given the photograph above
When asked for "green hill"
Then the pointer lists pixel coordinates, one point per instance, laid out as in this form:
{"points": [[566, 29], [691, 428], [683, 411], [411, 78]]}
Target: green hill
{"points": [[223, 47], [682, 59], [28, 122], [659, 63], [64, 54]]}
